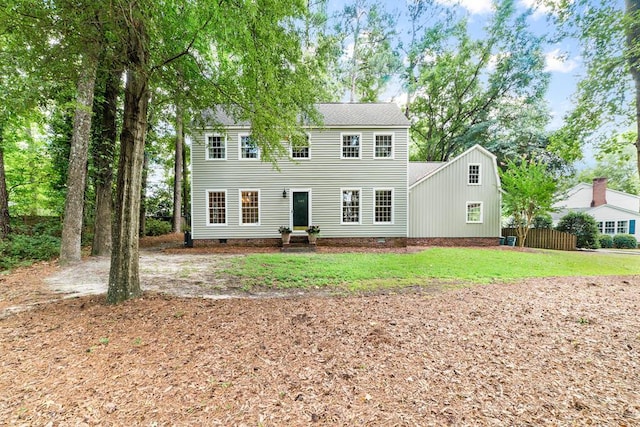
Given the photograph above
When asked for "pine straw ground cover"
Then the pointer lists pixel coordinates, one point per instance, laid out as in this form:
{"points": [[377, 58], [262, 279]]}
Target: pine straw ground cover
{"points": [[538, 352]]}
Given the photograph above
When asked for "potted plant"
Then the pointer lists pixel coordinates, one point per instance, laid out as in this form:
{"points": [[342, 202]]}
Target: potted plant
{"points": [[285, 233], [313, 232]]}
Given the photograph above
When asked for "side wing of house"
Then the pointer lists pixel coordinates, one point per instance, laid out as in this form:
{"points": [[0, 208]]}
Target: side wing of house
{"points": [[613, 220], [351, 181], [460, 199]]}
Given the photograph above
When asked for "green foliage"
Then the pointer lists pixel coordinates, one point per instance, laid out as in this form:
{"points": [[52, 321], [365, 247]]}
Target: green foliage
{"points": [[21, 249], [542, 221], [605, 241], [156, 227], [366, 271], [625, 241], [583, 226]]}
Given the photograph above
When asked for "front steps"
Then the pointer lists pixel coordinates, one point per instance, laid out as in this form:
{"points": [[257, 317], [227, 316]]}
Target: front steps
{"points": [[298, 244]]}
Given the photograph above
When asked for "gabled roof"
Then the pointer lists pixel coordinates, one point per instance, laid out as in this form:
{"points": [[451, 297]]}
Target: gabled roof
{"points": [[583, 185], [335, 115], [443, 166], [418, 170]]}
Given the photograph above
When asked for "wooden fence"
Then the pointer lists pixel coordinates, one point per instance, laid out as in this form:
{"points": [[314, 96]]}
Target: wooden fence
{"points": [[545, 238]]}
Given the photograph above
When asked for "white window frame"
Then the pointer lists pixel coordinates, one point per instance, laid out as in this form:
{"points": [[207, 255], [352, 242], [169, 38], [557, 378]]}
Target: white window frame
{"points": [[253, 224], [206, 146], [625, 228], [393, 145], [600, 225], [393, 206], [359, 190], [609, 227], [342, 135], [248, 159], [479, 165], [466, 213], [226, 208], [301, 158]]}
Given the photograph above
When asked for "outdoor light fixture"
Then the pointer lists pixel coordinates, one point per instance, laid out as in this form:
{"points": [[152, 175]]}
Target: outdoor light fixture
{"points": [[284, 193]]}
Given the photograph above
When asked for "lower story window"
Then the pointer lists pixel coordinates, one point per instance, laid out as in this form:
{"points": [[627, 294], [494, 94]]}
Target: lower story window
{"points": [[383, 206], [217, 207], [609, 227], [623, 227], [350, 206], [250, 207], [474, 212], [599, 227]]}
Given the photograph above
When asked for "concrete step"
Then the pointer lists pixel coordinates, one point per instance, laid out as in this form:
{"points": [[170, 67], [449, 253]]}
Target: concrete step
{"points": [[298, 247]]}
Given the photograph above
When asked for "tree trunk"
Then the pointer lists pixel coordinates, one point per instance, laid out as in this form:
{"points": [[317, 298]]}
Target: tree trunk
{"points": [[124, 276], [143, 196], [186, 191], [633, 48], [5, 226], [177, 181], [77, 175], [103, 162]]}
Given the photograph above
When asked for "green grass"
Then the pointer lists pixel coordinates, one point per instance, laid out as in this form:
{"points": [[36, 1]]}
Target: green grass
{"points": [[361, 271]]}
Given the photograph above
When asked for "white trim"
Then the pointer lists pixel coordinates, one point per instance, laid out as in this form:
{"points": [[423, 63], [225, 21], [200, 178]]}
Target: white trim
{"points": [[240, 135], [466, 213], [359, 190], [393, 206], [359, 135], [295, 159], [206, 146], [393, 145], [479, 165], [226, 208], [310, 218], [240, 223]]}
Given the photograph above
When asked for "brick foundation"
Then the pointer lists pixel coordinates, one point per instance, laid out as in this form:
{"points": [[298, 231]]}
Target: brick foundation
{"points": [[250, 243], [453, 241]]}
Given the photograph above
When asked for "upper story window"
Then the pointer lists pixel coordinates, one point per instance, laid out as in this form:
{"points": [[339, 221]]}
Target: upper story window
{"points": [[301, 151], [248, 148], [216, 207], [249, 207], [350, 206], [473, 176], [383, 146], [216, 147], [383, 208], [474, 212], [351, 146]]}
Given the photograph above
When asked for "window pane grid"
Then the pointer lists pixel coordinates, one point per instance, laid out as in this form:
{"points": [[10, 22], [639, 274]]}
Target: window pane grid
{"points": [[384, 144], [600, 227], [351, 206], [300, 152], [248, 149], [610, 227], [217, 207], [383, 206], [216, 147], [474, 212], [474, 174], [351, 146], [622, 227], [250, 207]]}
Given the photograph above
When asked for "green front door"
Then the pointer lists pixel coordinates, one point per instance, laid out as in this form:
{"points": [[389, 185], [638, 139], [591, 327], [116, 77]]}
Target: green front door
{"points": [[300, 210]]}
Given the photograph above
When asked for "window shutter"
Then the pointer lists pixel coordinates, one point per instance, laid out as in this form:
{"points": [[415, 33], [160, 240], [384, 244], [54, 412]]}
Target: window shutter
{"points": [[632, 226]]}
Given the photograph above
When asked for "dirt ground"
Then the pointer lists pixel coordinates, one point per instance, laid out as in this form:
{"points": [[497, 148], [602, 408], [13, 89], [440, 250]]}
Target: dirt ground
{"points": [[538, 352]]}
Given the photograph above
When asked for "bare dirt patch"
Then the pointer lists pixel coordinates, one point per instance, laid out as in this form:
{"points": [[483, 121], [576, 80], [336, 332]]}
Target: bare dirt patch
{"points": [[540, 352]]}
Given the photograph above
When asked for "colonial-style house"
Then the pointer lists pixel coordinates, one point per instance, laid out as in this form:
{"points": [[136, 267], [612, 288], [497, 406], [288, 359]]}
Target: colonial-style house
{"points": [[352, 179], [615, 212]]}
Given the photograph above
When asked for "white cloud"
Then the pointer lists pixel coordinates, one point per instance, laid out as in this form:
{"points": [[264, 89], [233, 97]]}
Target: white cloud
{"points": [[556, 61], [475, 7]]}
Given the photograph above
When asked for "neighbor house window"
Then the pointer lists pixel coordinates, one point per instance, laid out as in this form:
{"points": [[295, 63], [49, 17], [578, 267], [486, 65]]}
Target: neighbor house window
{"points": [[350, 206], [216, 207], [216, 147], [384, 146], [623, 226], [351, 146], [383, 208], [248, 148], [250, 207], [474, 174], [599, 227], [474, 212], [609, 227], [301, 151]]}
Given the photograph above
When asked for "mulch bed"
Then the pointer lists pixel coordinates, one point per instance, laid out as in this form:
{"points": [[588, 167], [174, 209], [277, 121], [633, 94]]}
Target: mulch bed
{"points": [[540, 352]]}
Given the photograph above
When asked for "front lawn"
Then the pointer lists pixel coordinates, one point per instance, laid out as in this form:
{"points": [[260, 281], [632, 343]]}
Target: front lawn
{"points": [[361, 271]]}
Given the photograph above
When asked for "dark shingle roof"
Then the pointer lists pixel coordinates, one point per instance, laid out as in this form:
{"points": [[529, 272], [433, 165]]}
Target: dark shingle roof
{"points": [[334, 114]]}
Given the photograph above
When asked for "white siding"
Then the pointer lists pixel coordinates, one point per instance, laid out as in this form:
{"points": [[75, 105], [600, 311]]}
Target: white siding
{"points": [[438, 204], [324, 174]]}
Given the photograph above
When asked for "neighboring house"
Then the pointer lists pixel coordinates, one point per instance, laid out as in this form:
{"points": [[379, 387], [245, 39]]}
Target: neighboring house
{"points": [[352, 180], [615, 212], [456, 199]]}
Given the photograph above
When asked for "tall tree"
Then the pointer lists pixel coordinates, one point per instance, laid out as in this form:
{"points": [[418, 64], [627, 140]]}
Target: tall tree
{"points": [[177, 175]]}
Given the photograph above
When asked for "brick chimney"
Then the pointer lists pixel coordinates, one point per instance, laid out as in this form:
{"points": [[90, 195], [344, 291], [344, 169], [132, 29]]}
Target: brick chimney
{"points": [[599, 192]]}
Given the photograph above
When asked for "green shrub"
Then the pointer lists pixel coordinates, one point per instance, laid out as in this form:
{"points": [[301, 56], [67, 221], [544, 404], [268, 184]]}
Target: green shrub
{"points": [[605, 240], [624, 241], [583, 226], [156, 227], [542, 221], [20, 249]]}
